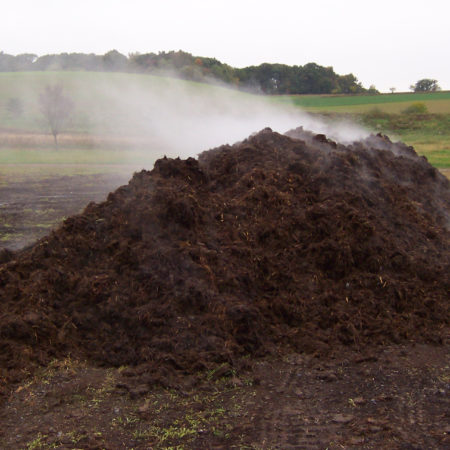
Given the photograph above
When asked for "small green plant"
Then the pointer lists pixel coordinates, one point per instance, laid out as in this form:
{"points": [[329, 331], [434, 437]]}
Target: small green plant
{"points": [[125, 421], [416, 108], [38, 442], [74, 437]]}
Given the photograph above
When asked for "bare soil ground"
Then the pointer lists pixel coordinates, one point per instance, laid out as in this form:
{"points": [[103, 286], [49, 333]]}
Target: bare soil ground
{"points": [[33, 205], [392, 398]]}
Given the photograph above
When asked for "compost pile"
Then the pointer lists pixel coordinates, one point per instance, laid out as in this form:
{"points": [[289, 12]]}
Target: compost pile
{"points": [[278, 243]]}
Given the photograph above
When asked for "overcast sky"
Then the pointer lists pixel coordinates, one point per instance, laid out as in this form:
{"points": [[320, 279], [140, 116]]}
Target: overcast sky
{"points": [[388, 43]]}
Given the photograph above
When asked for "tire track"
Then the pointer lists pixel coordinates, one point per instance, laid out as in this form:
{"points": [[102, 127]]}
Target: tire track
{"points": [[288, 418]]}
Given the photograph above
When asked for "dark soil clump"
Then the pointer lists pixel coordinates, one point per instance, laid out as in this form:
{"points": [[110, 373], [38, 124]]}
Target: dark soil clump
{"points": [[278, 243]]}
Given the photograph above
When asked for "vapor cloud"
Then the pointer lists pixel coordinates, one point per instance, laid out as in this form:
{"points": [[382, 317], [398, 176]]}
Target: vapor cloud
{"points": [[184, 119]]}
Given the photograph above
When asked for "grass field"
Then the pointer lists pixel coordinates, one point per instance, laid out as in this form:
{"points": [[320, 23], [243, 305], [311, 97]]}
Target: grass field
{"points": [[115, 112], [107, 103], [436, 102], [429, 134]]}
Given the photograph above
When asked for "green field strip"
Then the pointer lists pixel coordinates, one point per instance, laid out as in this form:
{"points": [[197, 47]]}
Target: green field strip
{"points": [[317, 101]]}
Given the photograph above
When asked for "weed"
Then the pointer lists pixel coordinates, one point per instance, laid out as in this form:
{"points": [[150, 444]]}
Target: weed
{"points": [[39, 442], [74, 437], [124, 422]]}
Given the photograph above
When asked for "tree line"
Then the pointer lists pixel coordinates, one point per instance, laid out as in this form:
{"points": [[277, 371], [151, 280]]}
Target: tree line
{"points": [[265, 78]]}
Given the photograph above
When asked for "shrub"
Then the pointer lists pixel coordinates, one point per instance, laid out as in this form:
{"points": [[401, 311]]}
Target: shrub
{"points": [[377, 113], [416, 108]]}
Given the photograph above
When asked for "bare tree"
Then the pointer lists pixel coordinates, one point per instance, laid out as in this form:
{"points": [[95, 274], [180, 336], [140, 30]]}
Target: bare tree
{"points": [[56, 108], [392, 89]]}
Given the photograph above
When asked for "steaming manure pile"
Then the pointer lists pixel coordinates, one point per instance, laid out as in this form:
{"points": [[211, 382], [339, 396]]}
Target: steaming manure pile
{"points": [[278, 243]]}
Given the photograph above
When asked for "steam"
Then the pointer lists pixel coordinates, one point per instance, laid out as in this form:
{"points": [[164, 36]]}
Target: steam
{"points": [[177, 118]]}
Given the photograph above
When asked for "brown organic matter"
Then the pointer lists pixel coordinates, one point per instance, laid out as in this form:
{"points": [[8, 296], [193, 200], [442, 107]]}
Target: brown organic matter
{"points": [[278, 244]]}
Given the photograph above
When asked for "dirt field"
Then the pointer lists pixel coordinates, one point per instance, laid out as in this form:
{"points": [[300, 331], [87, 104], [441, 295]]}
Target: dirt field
{"points": [[393, 398], [284, 292], [32, 205]]}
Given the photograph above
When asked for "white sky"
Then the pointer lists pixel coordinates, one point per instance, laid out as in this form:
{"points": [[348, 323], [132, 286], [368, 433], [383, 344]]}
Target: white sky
{"points": [[387, 43]]}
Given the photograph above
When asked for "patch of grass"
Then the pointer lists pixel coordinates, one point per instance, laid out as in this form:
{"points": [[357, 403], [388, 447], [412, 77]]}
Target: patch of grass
{"points": [[178, 420], [429, 134], [4, 237], [74, 437], [39, 442], [74, 156], [163, 418], [57, 367], [38, 173], [439, 159], [352, 103], [124, 421]]}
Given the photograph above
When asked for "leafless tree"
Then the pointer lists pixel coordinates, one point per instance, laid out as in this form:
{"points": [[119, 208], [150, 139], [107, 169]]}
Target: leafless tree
{"points": [[56, 108]]}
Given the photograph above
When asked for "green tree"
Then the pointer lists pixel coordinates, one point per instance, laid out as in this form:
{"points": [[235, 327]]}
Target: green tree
{"points": [[56, 107], [425, 85], [114, 61]]}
